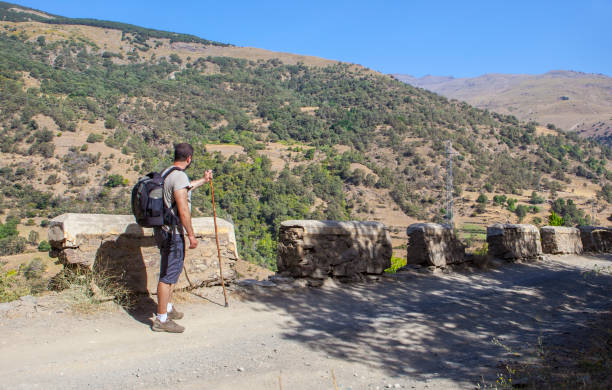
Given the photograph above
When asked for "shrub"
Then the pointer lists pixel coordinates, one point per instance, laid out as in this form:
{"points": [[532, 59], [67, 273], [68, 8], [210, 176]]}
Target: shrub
{"points": [[309, 154], [33, 237], [535, 198], [44, 246], [396, 264], [511, 204], [555, 220], [521, 211], [12, 286], [499, 199], [482, 198], [115, 180], [93, 138], [34, 269], [110, 122], [12, 245], [52, 179]]}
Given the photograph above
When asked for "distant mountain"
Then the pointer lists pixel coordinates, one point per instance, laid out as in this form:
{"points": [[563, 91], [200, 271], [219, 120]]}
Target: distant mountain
{"points": [[570, 100]]}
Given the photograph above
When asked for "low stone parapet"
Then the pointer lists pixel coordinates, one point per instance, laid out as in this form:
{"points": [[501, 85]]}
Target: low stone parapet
{"points": [[318, 249], [117, 246], [514, 241], [558, 240], [432, 244], [596, 238]]}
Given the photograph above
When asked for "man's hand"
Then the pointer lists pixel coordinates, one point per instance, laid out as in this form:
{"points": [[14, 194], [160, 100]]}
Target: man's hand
{"points": [[193, 242], [207, 176]]}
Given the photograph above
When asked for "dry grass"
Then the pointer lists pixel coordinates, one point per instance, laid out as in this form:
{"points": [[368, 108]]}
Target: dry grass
{"points": [[91, 291]]}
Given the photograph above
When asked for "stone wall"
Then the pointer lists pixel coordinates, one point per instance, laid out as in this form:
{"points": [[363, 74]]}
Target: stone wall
{"points": [[433, 245], [560, 240], [116, 245], [318, 249], [514, 241], [596, 238]]}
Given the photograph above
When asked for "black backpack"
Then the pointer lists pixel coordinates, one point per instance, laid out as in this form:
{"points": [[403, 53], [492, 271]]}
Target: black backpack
{"points": [[148, 201]]}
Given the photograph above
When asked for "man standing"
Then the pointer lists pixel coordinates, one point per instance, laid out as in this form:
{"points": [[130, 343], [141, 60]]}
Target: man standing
{"points": [[170, 238]]}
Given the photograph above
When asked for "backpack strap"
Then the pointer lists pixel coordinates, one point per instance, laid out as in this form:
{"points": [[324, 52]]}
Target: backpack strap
{"points": [[164, 175], [169, 171]]}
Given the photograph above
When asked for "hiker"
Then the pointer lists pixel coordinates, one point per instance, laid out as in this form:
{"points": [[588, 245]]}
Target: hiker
{"points": [[171, 239]]}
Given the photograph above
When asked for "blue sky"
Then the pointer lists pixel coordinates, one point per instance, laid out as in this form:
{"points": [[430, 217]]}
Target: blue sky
{"points": [[458, 38]]}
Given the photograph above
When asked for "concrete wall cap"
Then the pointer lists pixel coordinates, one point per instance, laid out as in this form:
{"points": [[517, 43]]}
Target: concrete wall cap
{"points": [[559, 229], [426, 226], [586, 228], [330, 223], [311, 226], [67, 227], [499, 228]]}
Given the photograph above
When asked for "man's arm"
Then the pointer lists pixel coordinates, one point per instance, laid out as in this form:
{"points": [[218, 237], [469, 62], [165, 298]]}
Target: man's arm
{"points": [[182, 205], [198, 183]]}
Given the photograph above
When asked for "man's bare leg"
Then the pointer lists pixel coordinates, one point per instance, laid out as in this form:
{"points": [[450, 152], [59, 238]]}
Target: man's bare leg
{"points": [[164, 291]]}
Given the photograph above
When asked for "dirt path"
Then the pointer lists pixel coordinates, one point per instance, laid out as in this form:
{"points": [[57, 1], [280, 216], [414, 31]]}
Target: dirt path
{"points": [[414, 330]]}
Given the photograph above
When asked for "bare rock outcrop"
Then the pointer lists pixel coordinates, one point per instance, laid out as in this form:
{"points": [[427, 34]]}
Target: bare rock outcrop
{"points": [[561, 240], [318, 249], [432, 244], [596, 238], [117, 246], [514, 241]]}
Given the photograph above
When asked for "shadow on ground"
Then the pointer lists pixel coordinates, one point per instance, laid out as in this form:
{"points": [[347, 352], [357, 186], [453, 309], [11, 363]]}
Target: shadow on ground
{"points": [[441, 326], [122, 261]]}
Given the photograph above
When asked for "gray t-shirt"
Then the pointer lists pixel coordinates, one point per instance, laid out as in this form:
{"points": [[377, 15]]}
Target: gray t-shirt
{"points": [[176, 180]]}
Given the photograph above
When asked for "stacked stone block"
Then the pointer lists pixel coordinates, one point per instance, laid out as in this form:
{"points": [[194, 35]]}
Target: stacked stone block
{"points": [[432, 244], [319, 249], [558, 240], [514, 241], [596, 238], [117, 246]]}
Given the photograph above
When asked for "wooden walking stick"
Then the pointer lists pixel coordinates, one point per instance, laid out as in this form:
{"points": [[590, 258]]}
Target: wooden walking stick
{"points": [[212, 195]]}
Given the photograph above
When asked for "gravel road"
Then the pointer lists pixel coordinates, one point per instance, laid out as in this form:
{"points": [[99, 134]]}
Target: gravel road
{"points": [[411, 330]]}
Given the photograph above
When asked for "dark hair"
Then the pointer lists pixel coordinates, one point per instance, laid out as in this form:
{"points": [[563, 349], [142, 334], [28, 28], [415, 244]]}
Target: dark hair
{"points": [[182, 151]]}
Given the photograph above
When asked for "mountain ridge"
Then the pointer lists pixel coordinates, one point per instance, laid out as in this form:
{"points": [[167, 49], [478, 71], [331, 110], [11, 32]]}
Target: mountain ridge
{"points": [[571, 100]]}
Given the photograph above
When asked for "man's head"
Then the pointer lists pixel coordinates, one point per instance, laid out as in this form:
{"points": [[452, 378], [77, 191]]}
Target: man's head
{"points": [[183, 152]]}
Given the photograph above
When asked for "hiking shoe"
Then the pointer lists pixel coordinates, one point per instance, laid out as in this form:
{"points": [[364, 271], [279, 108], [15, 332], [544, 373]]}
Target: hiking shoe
{"points": [[168, 326], [175, 314]]}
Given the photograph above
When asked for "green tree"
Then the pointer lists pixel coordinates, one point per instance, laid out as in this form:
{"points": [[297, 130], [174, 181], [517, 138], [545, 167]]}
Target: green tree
{"points": [[521, 211], [555, 220], [499, 199], [511, 204]]}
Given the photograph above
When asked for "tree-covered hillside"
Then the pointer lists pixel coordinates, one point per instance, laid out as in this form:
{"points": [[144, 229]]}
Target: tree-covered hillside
{"points": [[16, 13], [335, 118]]}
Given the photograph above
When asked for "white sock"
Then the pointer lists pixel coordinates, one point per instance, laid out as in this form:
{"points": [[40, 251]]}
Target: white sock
{"points": [[162, 317], [169, 307]]}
